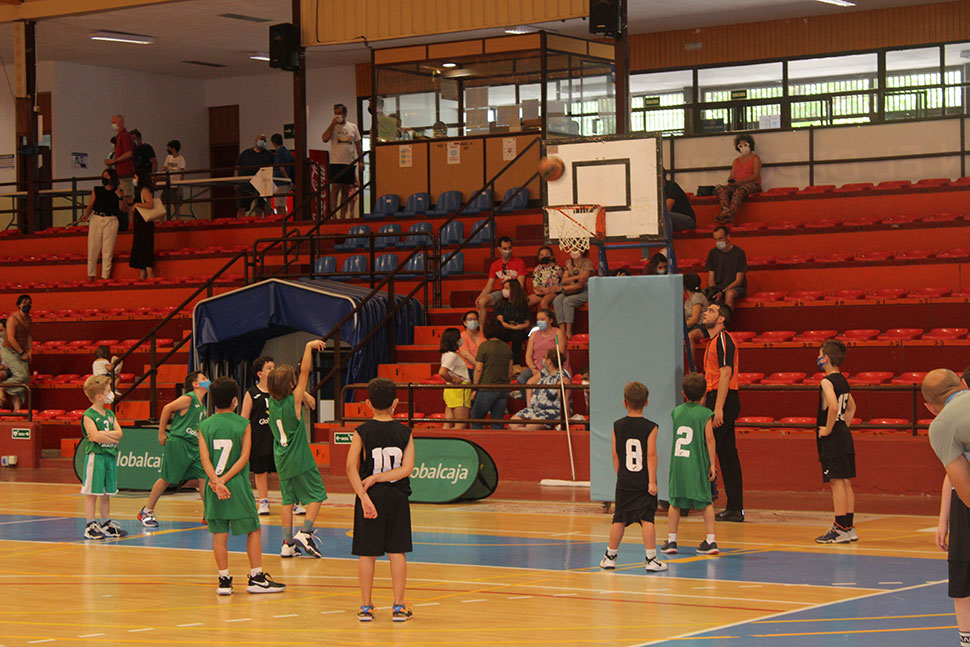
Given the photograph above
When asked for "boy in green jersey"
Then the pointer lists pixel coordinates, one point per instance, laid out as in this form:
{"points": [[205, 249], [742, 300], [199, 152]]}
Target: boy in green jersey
{"points": [[299, 475], [180, 460], [692, 465], [101, 434], [224, 444]]}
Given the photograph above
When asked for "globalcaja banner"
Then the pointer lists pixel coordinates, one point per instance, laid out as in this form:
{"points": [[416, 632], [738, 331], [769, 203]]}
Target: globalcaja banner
{"points": [[139, 459], [451, 469]]}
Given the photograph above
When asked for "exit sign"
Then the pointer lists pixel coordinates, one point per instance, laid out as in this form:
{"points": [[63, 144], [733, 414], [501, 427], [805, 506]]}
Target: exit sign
{"points": [[342, 438], [20, 434], [739, 95], [289, 131]]}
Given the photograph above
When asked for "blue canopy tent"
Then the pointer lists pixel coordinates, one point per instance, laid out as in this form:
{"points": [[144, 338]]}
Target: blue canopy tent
{"points": [[229, 330]]}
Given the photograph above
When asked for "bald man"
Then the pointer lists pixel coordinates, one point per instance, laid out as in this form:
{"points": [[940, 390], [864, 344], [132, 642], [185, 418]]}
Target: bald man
{"points": [[946, 398]]}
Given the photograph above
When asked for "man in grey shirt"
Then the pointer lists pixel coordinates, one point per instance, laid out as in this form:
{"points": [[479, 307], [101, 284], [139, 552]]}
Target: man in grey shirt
{"points": [[946, 398]]}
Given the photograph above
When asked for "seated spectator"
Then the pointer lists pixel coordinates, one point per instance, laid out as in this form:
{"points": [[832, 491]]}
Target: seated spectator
{"points": [[678, 206], [744, 180], [657, 265], [102, 213], [546, 279], [102, 364], [502, 269], [4, 373], [544, 403], [541, 341], [695, 303], [727, 266], [512, 311], [247, 165], [458, 402], [575, 291], [471, 339], [493, 365]]}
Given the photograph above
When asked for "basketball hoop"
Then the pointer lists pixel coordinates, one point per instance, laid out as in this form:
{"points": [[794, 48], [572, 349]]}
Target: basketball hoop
{"points": [[575, 224]]}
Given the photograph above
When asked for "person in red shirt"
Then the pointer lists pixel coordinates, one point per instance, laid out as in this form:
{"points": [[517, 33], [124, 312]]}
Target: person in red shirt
{"points": [[505, 268], [721, 373], [123, 161], [744, 180]]}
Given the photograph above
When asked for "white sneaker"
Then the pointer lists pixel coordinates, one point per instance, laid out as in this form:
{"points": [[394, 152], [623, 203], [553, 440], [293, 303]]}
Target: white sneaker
{"points": [[263, 507], [305, 541], [654, 565], [298, 509], [609, 563], [290, 550]]}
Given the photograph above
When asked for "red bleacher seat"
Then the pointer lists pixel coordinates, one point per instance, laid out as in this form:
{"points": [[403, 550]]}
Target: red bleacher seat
{"points": [[887, 293], [748, 226], [849, 294], [833, 257], [914, 254], [816, 335], [901, 219], [781, 190], [910, 377], [805, 295], [417, 414], [783, 225], [437, 416], [945, 333], [892, 424], [685, 263], [784, 377], [859, 334], [931, 293], [956, 252], [862, 221], [741, 336], [894, 185], [767, 296], [822, 188], [873, 257], [815, 378], [854, 187], [900, 334], [750, 378], [871, 377], [747, 420], [775, 336], [795, 259], [941, 217], [760, 261], [824, 223], [931, 182], [799, 420]]}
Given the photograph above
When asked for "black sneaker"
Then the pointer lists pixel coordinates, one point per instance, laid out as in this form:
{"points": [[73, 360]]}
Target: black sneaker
{"points": [[730, 515], [225, 586], [263, 583], [112, 530], [93, 531], [708, 548], [305, 541], [669, 548], [834, 535]]}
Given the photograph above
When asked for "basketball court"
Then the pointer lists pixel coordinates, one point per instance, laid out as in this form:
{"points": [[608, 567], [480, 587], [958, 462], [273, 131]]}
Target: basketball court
{"points": [[494, 572]]}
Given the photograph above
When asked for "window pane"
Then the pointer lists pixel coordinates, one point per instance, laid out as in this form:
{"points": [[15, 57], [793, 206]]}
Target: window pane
{"points": [[673, 88], [832, 74], [758, 81], [913, 67]]}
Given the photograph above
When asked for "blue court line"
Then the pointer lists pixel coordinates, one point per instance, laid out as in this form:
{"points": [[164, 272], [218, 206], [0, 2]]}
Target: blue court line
{"points": [[770, 567], [919, 615]]}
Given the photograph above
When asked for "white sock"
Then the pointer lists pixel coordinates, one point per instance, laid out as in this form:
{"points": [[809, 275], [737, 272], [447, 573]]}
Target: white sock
{"points": [[710, 538], [651, 553], [671, 536], [964, 638], [253, 572], [224, 573], [612, 552]]}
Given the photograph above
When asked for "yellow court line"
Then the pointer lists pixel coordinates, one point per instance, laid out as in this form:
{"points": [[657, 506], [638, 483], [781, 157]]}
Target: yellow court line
{"points": [[852, 631], [916, 615]]}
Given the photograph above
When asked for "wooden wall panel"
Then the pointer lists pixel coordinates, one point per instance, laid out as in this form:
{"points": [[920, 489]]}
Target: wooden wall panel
{"points": [[815, 35], [519, 172], [364, 81], [390, 177], [336, 21], [468, 176]]}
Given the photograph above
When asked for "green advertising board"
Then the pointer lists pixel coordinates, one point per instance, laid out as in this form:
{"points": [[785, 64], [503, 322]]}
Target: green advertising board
{"points": [[451, 469], [139, 459]]}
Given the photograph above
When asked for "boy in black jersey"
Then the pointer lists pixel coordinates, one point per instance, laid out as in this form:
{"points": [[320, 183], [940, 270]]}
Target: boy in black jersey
{"points": [[379, 463], [635, 462], [835, 449]]}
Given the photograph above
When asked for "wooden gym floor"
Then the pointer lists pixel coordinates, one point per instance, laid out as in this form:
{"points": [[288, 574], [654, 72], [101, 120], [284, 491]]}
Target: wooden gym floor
{"points": [[497, 572]]}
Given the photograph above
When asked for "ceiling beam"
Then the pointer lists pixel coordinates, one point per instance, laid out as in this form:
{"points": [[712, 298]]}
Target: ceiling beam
{"points": [[13, 10]]}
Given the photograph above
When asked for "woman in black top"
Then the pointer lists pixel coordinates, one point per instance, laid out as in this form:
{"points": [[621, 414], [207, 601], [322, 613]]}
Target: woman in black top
{"points": [[143, 239], [512, 311], [103, 210]]}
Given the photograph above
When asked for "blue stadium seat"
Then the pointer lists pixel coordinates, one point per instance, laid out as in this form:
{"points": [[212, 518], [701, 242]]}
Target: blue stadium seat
{"points": [[413, 241], [383, 242], [386, 263], [386, 205], [452, 233], [356, 238], [515, 201], [325, 265], [480, 203], [484, 235], [448, 202], [415, 265], [355, 263], [417, 205], [455, 266]]}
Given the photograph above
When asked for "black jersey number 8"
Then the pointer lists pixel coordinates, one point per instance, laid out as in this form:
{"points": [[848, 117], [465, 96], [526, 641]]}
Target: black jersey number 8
{"points": [[634, 455]]}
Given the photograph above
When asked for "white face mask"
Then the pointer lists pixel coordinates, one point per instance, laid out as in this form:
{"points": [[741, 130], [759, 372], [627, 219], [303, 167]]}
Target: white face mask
{"points": [[109, 397], [341, 119], [575, 255], [505, 253], [744, 149], [115, 127], [721, 244]]}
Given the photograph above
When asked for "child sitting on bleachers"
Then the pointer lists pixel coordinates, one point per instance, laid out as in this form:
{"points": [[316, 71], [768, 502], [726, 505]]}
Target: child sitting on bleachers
{"points": [[102, 365]]}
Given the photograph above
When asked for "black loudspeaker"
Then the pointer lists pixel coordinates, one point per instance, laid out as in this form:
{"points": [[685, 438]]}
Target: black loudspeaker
{"points": [[604, 17], [284, 46]]}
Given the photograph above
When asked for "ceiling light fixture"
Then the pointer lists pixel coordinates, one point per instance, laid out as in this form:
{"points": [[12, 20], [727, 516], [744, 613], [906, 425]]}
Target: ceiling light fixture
{"points": [[449, 65], [838, 3], [259, 56], [123, 37]]}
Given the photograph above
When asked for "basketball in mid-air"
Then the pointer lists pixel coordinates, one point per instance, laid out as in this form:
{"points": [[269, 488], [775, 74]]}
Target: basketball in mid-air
{"points": [[551, 168]]}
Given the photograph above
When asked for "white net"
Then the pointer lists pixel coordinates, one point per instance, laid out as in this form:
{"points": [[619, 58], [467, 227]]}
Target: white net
{"points": [[570, 229]]}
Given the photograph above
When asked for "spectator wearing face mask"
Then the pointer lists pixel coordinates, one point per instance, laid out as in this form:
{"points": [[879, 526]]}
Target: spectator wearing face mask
{"points": [[144, 154], [546, 279], [744, 180], [575, 291], [248, 164], [104, 207], [544, 338], [512, 311], [657, 265], [544, 404], [471, 338], [727, 268], [504, 268], [15, 352]]}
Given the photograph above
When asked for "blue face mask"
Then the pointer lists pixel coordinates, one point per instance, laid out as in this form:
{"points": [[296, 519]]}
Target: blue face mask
{"points": [[460, 342], [542, 325], [821, 363], [205, 384]]}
